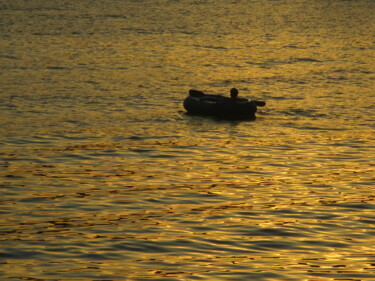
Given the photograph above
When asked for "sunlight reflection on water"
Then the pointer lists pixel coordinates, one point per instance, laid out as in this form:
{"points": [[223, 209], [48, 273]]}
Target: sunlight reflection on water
{"points": [[104, 176]]}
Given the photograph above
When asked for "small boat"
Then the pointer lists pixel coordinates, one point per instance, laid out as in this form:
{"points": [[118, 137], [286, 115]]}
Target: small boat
{"points": [[216, 105]]}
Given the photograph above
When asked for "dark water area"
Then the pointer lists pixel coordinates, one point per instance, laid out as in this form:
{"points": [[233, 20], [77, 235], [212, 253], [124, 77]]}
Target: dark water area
{"points": [[103, 175]]}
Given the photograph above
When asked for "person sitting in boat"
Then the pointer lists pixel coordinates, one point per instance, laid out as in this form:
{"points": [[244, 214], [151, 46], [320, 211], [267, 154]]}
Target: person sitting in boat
{"points": [[233, 94]]}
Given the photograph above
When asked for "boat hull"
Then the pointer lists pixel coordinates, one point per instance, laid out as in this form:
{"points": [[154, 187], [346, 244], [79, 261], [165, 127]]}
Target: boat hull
{"points": [[220, 107]]}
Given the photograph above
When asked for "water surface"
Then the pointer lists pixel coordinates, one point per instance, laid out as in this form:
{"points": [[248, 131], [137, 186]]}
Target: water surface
{"points": [[105, 177]]}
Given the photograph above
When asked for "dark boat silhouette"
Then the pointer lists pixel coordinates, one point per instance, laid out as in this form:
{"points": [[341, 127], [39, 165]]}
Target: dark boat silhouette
{"points": [[216, 105]]}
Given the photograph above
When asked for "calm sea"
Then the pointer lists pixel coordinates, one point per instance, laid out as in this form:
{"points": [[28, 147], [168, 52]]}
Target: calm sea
{"points": [[103, 176]]}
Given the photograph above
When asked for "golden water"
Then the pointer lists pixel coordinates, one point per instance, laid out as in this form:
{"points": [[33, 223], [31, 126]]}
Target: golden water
{"points": [[105, 177]]}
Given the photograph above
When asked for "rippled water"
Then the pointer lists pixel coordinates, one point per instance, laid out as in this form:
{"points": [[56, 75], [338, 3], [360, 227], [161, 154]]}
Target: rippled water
{"points": [[105, 177]]}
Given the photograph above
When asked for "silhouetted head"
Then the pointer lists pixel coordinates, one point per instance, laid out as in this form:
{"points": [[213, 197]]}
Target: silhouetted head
{"points": [[233, 93]]}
